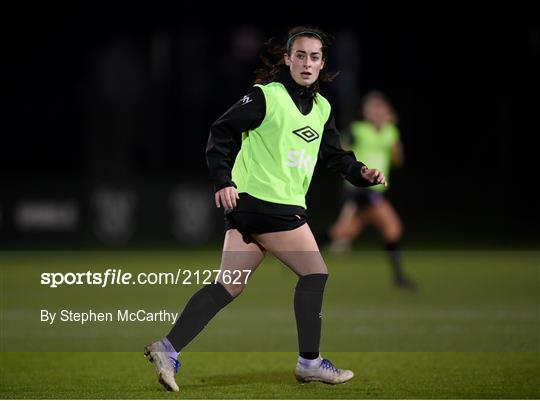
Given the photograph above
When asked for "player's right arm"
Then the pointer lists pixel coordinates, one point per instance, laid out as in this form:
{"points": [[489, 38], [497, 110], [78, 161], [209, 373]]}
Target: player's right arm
{"points": [[225, 136]]}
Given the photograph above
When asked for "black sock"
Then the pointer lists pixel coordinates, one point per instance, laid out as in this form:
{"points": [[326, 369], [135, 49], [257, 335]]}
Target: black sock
{"points": [[308, 298], [199, 310], [395, 259]]}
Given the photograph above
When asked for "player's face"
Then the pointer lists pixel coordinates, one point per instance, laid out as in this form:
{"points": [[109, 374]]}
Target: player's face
{"points": [[376, 111], [306, 60]]}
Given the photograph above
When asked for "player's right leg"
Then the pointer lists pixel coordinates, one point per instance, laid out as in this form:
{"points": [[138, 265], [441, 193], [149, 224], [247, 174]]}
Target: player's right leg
{"points": [[348, 226], [387, 221], [240, 257], [238, 254]]}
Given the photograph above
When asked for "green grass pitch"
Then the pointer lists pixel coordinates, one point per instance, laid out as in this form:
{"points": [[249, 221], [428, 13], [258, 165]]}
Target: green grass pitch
{"points": [[472, 331]]}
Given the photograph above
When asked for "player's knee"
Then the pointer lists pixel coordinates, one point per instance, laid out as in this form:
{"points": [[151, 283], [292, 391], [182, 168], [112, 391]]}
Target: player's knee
{"points": [[340, 232], [399, 229], [353, 231], [393, 231], [335, 232], [393, 234], [234, 289]]}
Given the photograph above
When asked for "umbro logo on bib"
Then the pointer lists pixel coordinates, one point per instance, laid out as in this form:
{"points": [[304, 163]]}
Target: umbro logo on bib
{"points": [[307, 133]]}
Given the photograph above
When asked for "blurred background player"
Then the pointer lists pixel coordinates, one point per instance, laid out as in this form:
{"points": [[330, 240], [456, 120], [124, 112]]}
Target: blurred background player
{"points": [[374, 139]]}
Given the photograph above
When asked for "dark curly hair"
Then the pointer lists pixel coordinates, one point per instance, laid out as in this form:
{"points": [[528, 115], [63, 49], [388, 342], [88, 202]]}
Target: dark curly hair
{"points": [[272, 57]]}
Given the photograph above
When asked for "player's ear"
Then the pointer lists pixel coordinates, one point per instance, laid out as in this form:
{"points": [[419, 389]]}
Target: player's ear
{"points": [[286, 59]]}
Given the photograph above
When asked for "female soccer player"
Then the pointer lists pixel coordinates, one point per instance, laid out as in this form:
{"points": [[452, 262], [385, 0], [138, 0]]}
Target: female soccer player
{"points": [[284, 124], [375, 140]]}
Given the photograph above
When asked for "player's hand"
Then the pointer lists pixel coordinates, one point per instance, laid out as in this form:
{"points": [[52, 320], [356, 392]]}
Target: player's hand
{"points": [[227, 197], [374, 176]]}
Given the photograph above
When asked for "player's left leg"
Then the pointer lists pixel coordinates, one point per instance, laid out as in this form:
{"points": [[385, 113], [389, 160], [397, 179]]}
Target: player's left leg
{"points": [[298, 249]]}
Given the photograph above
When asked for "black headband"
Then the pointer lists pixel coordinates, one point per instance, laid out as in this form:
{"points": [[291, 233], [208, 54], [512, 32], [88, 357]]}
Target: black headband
{"points": [[289, 41]]}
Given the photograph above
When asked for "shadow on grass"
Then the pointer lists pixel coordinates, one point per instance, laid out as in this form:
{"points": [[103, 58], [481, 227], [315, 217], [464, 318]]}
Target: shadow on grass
{"points": [[234, 379]]}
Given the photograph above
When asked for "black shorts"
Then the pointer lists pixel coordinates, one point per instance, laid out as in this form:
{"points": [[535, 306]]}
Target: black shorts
{"points": [[364, 197], [259, 223]]}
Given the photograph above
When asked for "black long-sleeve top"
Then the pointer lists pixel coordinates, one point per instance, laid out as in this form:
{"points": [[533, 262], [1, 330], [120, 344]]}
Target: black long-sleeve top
{"points": [[247, 114]]}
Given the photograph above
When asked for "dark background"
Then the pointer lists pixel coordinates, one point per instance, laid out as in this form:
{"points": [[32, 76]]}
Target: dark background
{"points": [[107, 110]]}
